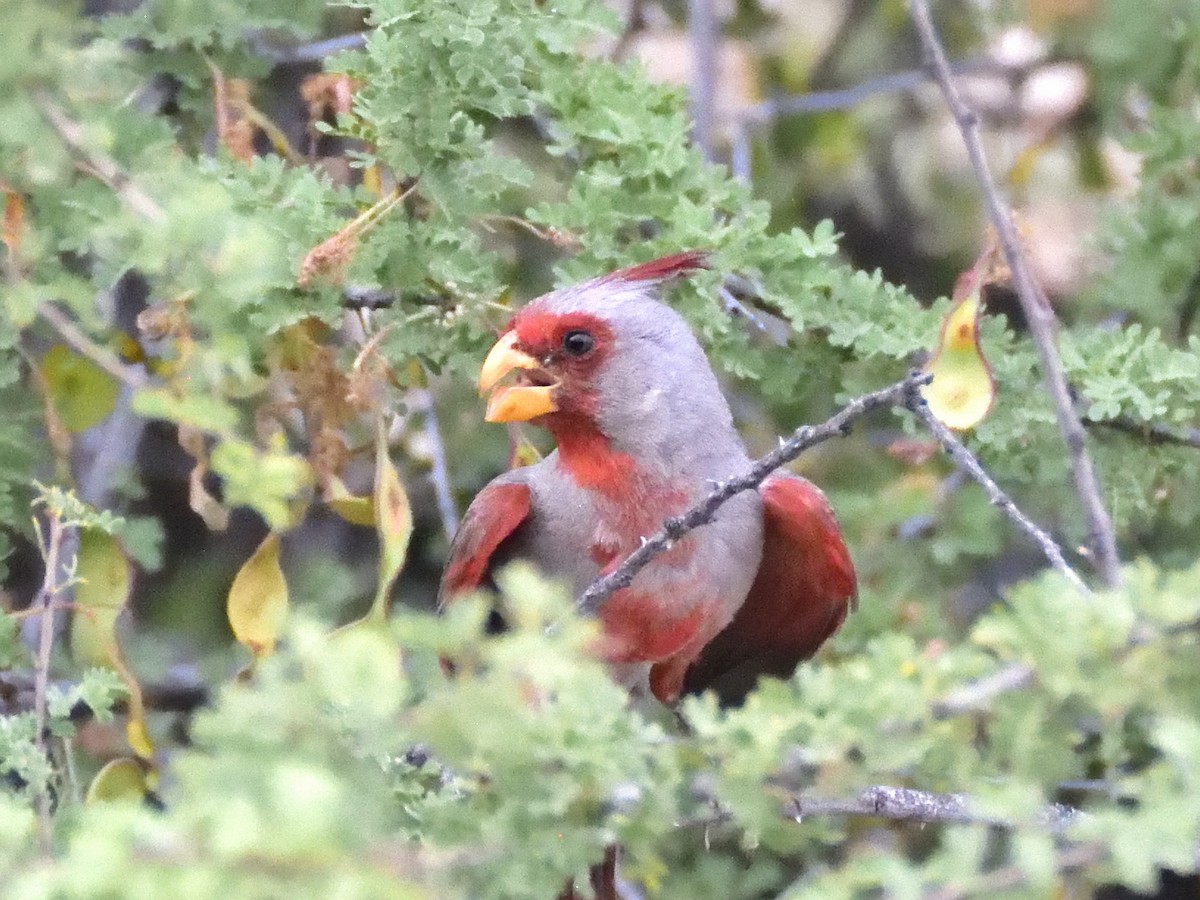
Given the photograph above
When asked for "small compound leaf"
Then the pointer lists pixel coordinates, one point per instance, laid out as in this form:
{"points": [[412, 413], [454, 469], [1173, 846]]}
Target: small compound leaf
{"points": [[120, 779], [963, 389], [393, 521], [82, 392], [258, 599]]}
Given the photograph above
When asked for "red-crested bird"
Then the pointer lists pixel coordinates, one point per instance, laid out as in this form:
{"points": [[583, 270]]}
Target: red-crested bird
{"points": [[642, 431]]}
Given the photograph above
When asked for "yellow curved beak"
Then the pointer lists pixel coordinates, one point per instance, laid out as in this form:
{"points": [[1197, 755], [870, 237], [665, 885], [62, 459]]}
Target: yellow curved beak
{"points": [[518, 402]]}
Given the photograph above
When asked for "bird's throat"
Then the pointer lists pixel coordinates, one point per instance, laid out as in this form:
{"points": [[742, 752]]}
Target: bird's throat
{"points": [[590, 460], [587, 455]]}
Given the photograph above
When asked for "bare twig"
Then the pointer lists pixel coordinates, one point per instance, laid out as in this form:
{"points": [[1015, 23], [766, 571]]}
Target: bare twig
{"points": [[843, 98], [306, 53], [963, 457], [172, 695], [703, 512], [438, 472], [1038, 313], [902, 804], [702, 29], [1153, 433], [99, 163], [910, 805], [101, 356], [978, 694], [51, 542]]}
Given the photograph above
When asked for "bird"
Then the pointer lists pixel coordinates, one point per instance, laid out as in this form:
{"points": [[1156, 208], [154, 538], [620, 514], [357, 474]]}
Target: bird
{"points": [[643, 432]]}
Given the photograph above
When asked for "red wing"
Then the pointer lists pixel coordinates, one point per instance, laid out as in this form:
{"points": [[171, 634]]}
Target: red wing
{"points": [[804, 588], [494, 514]]}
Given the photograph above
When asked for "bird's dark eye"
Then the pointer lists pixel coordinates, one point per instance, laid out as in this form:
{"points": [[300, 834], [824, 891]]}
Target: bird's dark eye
{"points": [[578, 343]]}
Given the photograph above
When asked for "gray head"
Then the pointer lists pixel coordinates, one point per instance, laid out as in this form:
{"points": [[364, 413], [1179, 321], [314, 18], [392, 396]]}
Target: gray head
{"points": [[607, 356]]}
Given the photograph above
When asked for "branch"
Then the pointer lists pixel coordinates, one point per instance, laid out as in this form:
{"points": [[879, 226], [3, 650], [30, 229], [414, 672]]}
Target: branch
{"points": [[101, 164], [842, 98], [703, 512], [978, 694], [438, 472], [910, 805], [702, 30], [1153, 433], [101, 356], [174, 695], [1038, 314], [54, 555], [901, 804], [957, 451]]}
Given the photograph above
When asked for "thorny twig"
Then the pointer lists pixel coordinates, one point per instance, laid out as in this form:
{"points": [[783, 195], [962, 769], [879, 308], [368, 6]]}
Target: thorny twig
{"points": [[1153, 433], [902, 804], [704, 37], [1038, 313], [703, 512], [101, 356], [51, 544], [903, 393], [98, 163], [438, 472], [753, 118], [965, 459], [978, 694]]}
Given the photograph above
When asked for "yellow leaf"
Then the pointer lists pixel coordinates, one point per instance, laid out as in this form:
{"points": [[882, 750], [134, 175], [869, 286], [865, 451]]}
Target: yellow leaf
{"points": [[120, 779], [104, 581], [102, 570], [136, 732], [258, 599], [205, 505], [355, 510], [83, 393], [393, 521], [963, 389]]}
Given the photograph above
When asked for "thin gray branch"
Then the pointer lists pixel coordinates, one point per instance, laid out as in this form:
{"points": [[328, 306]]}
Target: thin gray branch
{"points": [[1038, 313], [910, 805], [702, 29], [315, 51], [438, 472], [703, 512], [843, 98], [57, 549], [1153, 433], [963, 457], [101, 164], [902, 804], [103, 357], [978, 694]]}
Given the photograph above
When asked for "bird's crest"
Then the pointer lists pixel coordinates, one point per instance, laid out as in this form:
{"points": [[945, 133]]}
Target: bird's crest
{"points": [[673, 266]]}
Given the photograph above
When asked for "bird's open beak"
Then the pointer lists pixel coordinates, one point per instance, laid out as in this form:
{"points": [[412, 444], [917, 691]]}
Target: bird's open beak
{"points": [[520, 402]]}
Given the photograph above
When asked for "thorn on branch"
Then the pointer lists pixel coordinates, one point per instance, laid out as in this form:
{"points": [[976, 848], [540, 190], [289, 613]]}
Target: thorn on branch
{"points": [[966, 460], [705, 509]]}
